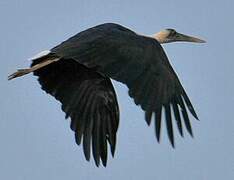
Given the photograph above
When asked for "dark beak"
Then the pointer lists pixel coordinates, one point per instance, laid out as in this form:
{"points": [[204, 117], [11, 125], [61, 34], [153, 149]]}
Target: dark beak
{"points": [[186, 38]]}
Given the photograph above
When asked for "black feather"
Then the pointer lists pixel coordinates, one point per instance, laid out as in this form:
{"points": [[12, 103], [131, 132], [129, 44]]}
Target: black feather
{"points": [[185, 115], [177, 117], [169, 124]]}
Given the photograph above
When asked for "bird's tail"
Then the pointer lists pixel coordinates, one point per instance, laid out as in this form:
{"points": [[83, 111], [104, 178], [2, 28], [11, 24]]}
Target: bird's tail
{"points": [[22, 72]]}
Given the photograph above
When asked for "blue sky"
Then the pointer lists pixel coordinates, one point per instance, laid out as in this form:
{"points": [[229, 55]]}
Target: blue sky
{"points": [[36, 141]]}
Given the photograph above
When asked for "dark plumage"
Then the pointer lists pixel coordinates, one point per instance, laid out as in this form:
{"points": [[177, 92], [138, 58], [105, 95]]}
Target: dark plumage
{"points": [[89, 99], [77, 73]]}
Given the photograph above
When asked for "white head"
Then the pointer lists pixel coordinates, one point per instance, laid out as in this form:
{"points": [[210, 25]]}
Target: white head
{"points": [[170, 35]]}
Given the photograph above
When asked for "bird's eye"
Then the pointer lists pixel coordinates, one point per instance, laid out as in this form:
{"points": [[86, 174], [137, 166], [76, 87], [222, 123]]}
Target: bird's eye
{"points": [[173, 32]]}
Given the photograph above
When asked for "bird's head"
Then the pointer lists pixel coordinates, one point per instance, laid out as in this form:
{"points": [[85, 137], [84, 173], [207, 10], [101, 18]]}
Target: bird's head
{"points": [[170, 35]]}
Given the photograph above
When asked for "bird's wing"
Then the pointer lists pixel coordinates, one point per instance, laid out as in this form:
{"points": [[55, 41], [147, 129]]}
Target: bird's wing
{"points": [[139, 62], [89, 100]]}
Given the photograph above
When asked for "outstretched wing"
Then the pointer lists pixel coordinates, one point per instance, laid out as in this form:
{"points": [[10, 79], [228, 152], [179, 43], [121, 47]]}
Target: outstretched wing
{"points": [[140, 63], [88, 99]]}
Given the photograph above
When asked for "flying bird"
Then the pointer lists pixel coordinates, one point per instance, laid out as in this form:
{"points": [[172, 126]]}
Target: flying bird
{"points": [[77, 73]]}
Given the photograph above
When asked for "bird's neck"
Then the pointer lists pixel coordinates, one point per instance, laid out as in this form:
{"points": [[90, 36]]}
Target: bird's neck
{"points": [[161, 37]]}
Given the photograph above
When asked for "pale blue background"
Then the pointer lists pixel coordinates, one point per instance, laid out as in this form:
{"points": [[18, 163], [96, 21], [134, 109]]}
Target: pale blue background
{"points": [[36, 142]]}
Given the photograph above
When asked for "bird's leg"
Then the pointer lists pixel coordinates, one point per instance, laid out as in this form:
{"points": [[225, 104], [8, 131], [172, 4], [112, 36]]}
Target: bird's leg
{"points": [[21, 72]]}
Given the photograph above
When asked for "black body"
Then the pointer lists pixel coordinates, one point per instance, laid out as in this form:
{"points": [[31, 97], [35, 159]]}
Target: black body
{"points": [[80, 80]]}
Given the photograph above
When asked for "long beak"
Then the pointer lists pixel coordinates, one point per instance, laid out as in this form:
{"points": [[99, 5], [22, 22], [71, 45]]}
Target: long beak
{"points": [[186, 38]]}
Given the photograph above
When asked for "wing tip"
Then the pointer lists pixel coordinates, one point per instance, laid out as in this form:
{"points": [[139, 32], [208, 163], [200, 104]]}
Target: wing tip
{"points": [[97, 161], [87, 157], [196, 117], [148, 117], [173, 145], [158, 138], [104, 162]]}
